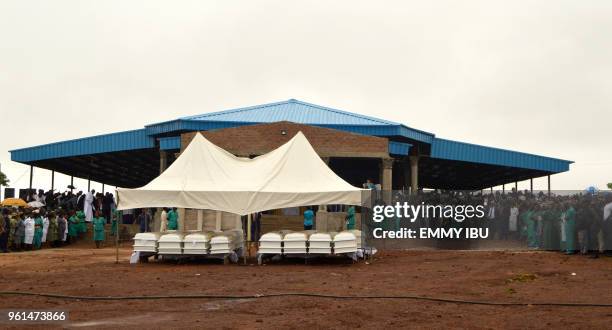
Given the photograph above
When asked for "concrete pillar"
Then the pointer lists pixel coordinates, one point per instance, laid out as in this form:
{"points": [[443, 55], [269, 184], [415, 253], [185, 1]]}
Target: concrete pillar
{"points": [[386, 167], [163, 161], [200, 220], [549, 185], [503, 188], [88, 185], [406, 173], [218, 220], [181, 221], [414, 173], [103, 188], [387, 173], [52, 180], [531, 185]]}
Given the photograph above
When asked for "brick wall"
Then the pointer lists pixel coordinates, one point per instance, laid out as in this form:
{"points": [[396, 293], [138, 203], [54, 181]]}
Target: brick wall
{"points": [[262, 138]]}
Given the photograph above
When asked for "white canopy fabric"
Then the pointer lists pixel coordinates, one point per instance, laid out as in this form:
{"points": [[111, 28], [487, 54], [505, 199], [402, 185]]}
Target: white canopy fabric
{"points": [[205, 176]]}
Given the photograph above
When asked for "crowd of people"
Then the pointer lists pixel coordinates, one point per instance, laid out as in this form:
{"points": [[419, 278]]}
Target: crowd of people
{"points": [[571, 223], [60, 219]]}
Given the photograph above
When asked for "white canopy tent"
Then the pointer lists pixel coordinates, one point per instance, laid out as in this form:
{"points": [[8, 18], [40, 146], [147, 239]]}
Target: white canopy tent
{"points": [[205, 176]]}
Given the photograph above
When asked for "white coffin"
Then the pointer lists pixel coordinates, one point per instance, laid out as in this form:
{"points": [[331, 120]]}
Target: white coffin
{"points": [[357, 234], [146, 242], [171, 243], [345, 242], [226, 242], [295, 243], [271, 243], [320, 243], [196, 243]]}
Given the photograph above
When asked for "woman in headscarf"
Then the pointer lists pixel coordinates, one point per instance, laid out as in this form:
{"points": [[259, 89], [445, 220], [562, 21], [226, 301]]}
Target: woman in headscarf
{"points": [[98, 228], [38, 231]]}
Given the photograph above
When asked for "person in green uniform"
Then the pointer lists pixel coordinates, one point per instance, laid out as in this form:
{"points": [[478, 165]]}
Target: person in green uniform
{"points": [[73, 227], [550, 222], [569, 229], [528, 219], [52, 232], [82, 227], [173, 219], [98, 229], [38, 231], [115, 220], [350, 218]]}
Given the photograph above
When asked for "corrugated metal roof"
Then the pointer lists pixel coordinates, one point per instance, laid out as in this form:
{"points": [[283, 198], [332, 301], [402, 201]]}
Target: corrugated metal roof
{"points": [[128, 140], [454, 150], [291, 110], [399, 148], [170, 143]]}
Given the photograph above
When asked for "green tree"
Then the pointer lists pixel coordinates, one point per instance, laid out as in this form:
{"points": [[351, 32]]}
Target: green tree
{"points": [[610, 185], [3, 180]]}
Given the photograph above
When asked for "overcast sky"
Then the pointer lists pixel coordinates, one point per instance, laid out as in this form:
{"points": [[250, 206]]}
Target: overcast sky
{"points": [[533, 76]]}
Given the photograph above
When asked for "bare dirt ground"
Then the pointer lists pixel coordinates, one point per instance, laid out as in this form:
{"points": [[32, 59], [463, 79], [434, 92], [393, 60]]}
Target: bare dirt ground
{"points": [[475, 275]]}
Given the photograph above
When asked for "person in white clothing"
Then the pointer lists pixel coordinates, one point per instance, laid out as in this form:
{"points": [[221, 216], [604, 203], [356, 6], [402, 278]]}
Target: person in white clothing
{"points": [[45, 228], [29, 232], [88, 205], [163, 220], [606, 227], [513, 222]]}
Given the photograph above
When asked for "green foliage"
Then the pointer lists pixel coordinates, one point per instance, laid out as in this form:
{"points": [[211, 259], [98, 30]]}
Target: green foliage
{"points": [[610, 185], [4, 181]]}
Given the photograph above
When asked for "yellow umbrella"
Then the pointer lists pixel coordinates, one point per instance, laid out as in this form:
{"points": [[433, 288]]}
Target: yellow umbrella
{"points": [[14, 202]]}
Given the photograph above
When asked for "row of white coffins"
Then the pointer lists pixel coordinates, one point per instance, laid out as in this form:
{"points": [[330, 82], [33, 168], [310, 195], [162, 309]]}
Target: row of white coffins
{"points": [[192, 243], [310, 242]]}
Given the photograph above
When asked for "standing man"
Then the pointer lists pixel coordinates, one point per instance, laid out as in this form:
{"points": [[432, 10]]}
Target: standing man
{"points": [[163, 223], [173, 219], [607, 226], [350, 218], [568, 233], [53, 230], [28, 231], [144, 219], [5, 228], [88, 207], [308, 219], [19, 232]]}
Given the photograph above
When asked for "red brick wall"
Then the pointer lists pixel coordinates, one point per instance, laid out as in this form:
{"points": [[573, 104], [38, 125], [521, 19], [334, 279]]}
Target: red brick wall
{"points": [[262, 138]]}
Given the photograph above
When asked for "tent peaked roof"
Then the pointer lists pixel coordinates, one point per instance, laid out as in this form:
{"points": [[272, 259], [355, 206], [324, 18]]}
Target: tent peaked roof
{"points": [[205, 176]]}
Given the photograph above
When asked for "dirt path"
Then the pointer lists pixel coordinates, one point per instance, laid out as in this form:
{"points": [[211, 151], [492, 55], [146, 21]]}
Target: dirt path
{"points": [[474, 275]]}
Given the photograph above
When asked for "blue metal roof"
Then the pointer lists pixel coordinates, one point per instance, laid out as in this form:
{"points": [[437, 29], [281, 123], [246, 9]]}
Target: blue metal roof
{"points": [[399, 148], [170, 143], [454, 150], [291, 110], [128, 140]]}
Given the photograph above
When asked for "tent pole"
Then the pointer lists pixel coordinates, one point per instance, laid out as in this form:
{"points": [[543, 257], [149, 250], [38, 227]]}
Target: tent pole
{"points": [[31, 177], [249, 233], [116, 241]]}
